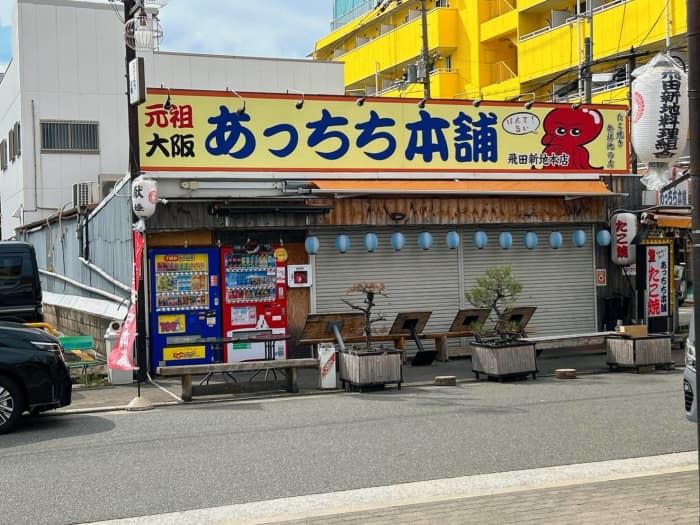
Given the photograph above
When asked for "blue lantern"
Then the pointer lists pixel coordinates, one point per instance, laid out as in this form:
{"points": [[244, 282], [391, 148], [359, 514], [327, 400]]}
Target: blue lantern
{"points": [[342, 243], [579, 238], [555, 240], [480, 240], [603, 238], [397, 241], [530, 240], [370, 242], [452, 240], [425, 240], [312, 245], [505, 240]]}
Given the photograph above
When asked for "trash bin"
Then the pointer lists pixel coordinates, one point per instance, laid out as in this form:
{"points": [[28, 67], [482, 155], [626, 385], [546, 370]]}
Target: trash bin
{"points": [[116, 377], [326, 358]]}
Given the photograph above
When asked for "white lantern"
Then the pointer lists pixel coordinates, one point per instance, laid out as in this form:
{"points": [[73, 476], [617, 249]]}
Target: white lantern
{"points": [[624, 228], [144, 197], [660, 116]]}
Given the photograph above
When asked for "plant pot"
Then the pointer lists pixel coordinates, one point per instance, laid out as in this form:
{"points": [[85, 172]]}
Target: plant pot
{"points": [[639, 351], [362, 369], [503, 359]]}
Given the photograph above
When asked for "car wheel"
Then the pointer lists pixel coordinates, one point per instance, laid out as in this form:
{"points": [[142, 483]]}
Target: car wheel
{"points": [[11, 404]]}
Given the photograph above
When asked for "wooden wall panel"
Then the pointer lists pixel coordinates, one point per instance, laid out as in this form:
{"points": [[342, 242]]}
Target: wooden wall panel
{"points": [[297, 302], [483, 210]]}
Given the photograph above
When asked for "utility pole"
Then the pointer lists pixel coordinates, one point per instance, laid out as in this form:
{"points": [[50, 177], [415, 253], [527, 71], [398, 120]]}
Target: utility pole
{"points": [[586, 73], [425, 58], [693, 18], [130, 10]]}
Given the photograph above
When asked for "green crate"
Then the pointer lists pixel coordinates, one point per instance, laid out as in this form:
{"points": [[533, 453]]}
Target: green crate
{"points": [[76, 342]]}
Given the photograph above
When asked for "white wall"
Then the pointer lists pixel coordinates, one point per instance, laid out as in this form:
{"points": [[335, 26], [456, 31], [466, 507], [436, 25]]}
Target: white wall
{"points": [[69, 65]]}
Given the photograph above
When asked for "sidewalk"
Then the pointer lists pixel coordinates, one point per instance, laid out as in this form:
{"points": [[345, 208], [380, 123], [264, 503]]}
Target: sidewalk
{"points": [[651, 490], [117, 397]]}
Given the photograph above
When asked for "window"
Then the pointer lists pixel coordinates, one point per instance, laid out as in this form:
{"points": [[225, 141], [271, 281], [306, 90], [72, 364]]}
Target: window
{"points": [[18, 142], [69, 137], [3, 155]]}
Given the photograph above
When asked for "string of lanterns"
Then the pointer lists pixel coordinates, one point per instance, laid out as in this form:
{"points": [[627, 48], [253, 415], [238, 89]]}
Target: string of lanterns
{"points": [[479, 240]]}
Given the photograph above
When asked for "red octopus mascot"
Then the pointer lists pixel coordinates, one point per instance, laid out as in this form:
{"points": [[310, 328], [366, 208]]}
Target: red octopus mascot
{"points": [[567, 130]]}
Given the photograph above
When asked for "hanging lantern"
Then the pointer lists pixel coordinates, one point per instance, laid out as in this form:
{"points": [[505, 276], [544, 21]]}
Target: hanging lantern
{"points": [[480, 240], [530, 240], [624, 230], [144, 197], [425, 240], [579, 238], [555, 240], [312, 245], [397, 241], [660, 117], [371, 242], [452, 240], [342, 243], [603, 238], [505, 240]]}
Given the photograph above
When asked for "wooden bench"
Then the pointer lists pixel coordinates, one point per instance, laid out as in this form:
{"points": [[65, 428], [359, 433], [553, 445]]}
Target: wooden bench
{"points": [[565, 341], [460, 327], [289, 367]]}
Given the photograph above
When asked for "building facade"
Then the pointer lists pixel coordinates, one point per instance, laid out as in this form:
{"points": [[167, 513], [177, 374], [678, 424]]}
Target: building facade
{"points": [[529, 50]]}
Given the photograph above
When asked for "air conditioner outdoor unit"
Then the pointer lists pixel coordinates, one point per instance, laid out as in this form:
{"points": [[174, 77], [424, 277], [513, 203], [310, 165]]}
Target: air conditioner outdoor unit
{"points": [[82, 196]]}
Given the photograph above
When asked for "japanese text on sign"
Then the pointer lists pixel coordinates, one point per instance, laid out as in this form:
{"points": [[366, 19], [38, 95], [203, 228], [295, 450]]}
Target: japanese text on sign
{"points": [[205, 131]]}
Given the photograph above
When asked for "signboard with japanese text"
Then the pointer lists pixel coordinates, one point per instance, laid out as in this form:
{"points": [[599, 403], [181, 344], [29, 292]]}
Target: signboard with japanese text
{"points": [[262, 132], [659, 279]]}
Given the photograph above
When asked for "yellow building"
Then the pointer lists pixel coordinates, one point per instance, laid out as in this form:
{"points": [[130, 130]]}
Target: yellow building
{"points": [[528, 50]]}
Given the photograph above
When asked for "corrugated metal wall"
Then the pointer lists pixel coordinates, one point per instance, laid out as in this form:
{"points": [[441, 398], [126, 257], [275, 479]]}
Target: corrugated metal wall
{"points": [[560, 283], [110, 248]]}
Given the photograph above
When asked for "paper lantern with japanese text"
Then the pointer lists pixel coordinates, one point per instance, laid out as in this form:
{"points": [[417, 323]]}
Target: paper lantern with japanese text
{"points": [[660, 117], [144, 197], [624, 228]]}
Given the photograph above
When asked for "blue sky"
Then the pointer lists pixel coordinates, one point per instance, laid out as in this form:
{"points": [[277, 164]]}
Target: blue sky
{"points": [[266, 28]]}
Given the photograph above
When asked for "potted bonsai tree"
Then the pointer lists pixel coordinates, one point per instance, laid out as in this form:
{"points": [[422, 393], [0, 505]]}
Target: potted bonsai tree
{"points": [[500, 351], [365, 365]]}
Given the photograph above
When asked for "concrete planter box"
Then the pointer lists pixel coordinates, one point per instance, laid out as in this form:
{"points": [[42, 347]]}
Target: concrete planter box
{"points": [[370, 369], [500, 361], [639, 351]]}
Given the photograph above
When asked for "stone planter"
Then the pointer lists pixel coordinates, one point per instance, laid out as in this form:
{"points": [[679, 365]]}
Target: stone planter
{"points": [[501, 361], [370, 369], [634, 352]]}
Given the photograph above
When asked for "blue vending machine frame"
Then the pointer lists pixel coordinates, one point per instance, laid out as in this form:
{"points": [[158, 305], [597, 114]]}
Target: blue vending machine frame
{"points": [[185, 289]]}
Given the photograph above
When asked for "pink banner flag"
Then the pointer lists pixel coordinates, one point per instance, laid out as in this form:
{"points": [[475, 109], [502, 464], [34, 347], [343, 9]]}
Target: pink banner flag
{"points": [[120, 357]]}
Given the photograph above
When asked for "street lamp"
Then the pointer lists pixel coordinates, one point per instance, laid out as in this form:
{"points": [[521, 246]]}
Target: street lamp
{"points": [[143, 33]]}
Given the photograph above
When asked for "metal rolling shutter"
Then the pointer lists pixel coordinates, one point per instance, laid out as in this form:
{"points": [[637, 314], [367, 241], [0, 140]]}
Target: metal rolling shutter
{"points": [[415, 279], [560, 283]]}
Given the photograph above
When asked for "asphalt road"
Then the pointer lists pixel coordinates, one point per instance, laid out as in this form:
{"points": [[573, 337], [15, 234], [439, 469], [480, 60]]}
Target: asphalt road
{"points": [[82, 468]]}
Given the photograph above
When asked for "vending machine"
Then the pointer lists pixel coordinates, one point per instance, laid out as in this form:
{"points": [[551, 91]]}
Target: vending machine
{"points": [[185, 305], [254, 298]]}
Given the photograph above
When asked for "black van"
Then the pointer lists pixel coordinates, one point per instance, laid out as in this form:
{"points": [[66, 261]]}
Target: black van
{"points": [[20, 287]]}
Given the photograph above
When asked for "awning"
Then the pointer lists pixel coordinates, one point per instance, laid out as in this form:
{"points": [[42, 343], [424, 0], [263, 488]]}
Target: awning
{"points": [[545, 188]]}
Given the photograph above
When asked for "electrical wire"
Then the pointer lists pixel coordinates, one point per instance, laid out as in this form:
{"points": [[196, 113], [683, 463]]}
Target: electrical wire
{"points": [[619, 37], [663, 10]]}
